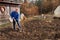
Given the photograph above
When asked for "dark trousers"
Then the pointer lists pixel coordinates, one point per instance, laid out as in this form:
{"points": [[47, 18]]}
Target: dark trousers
{"points": [[14, 23]]}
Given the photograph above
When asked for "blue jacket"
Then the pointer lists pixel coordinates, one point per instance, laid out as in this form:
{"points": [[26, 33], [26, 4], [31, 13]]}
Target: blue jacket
{"points": [[14, 15]]}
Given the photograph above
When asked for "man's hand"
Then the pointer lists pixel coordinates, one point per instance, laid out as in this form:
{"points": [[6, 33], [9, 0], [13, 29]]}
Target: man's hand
{"points": [[13, 18]]}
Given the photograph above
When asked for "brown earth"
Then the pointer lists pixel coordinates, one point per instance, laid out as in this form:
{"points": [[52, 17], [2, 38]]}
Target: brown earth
{"points": [[33, 30]]}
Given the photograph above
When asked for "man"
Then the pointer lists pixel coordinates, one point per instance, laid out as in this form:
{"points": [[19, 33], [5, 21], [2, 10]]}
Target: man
{"points": [[15, 16]]}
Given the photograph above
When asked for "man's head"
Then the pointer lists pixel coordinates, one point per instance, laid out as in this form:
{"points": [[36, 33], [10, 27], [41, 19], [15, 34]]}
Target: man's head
{"points": [[16, 10]]}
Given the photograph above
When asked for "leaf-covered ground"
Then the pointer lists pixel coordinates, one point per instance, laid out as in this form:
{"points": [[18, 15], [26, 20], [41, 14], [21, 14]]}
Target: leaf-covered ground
{"points": [[33, 30]]}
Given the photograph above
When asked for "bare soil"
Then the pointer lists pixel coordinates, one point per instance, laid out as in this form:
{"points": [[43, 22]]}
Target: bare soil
{"points": [[33, 30]]}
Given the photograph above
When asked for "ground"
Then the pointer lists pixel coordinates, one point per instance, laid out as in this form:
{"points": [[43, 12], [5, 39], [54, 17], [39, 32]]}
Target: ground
{"points": [[33, 30]]}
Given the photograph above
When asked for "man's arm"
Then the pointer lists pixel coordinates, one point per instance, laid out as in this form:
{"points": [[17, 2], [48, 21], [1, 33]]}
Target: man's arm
{"points": [[18, 15], [11, 14]]}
